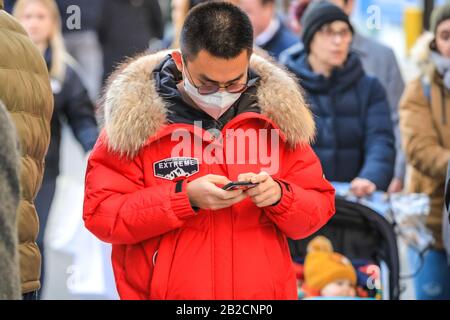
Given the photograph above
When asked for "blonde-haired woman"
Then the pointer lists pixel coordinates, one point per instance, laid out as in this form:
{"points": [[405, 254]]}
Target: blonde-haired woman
{"points": [[41, 20]]}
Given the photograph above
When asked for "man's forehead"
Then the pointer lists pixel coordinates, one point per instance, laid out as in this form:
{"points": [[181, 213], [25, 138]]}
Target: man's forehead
{"points": [[205, 57]]}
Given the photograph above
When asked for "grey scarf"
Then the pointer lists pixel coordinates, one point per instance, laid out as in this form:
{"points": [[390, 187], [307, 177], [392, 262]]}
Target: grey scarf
{"points": [[443, 67]]}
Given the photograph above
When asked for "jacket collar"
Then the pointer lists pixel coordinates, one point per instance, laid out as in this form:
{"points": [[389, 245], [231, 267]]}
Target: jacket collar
{"points": [[134, 112], [340, 79]]}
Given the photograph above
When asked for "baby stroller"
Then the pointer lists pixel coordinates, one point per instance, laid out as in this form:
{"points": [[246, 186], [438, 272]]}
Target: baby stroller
{"points": [[367, 238]]}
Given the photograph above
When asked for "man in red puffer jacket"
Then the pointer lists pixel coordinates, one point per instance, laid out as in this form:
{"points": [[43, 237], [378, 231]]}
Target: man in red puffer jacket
{"points": [[178, 127]]}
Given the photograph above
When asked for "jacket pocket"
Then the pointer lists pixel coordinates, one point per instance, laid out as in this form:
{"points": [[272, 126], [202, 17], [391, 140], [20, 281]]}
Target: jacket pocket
{"points": [[138, 270], [160, 260]]}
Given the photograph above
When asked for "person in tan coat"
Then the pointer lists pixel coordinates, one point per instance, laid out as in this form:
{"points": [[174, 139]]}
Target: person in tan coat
{"points": [[26, 92], [425, 129]]}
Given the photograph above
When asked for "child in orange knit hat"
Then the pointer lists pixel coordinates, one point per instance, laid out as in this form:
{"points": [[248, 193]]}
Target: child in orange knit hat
{"points": [[327, 273]]}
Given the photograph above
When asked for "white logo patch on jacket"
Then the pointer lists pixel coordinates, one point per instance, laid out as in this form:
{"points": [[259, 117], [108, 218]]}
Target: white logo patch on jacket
{"points": [[172, 168]]}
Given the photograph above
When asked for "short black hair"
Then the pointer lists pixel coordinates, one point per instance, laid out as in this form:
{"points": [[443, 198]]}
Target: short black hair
{"points": [[218, 27]]}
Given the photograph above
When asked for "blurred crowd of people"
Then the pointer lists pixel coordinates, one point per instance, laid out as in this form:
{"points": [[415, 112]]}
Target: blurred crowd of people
{"points": [[373, 131]]}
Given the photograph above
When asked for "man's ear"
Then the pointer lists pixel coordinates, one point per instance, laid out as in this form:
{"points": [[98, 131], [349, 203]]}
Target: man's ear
{"points": [[176, 56]]}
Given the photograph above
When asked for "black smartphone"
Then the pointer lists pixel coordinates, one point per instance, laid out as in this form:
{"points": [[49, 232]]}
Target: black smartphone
{"points": [[239, 185]]}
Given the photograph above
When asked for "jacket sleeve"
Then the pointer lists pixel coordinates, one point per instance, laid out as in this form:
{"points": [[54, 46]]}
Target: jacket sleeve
{"points": [[379, 145], [79, 111], [307, 202], [119, 209], [420, 139]]}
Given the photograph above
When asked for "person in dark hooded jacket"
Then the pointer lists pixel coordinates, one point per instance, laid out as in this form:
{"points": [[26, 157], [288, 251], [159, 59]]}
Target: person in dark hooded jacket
{"points": [[355, 141]]}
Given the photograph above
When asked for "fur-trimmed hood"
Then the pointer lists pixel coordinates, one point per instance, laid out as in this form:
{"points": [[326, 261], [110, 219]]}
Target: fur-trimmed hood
{"points": [[421, 55], [134, 112]]}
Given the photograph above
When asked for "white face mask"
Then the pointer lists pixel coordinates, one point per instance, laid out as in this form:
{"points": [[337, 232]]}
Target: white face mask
{"points": [[215, 104]]}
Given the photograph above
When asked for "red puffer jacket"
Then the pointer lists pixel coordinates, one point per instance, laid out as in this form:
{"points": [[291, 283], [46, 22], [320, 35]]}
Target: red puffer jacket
{"points": [[162, 248]]}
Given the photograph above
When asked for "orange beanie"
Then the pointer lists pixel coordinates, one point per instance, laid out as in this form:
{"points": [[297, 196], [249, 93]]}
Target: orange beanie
{"points": [[323, 266]]}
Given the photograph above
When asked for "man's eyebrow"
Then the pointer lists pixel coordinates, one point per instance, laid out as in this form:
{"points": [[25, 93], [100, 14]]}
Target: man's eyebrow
{"points": [[204, 78]]}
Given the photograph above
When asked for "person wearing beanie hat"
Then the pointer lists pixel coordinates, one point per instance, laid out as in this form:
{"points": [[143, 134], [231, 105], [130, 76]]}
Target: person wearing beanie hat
{"points": [[425, 128], [317, 15], [355, 140], [327, 273], [379, 61]]}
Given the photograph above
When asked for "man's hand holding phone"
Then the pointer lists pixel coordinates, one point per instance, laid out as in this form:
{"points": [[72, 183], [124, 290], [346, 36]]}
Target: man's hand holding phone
{"points": [[267, 192], [204, 193]]}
